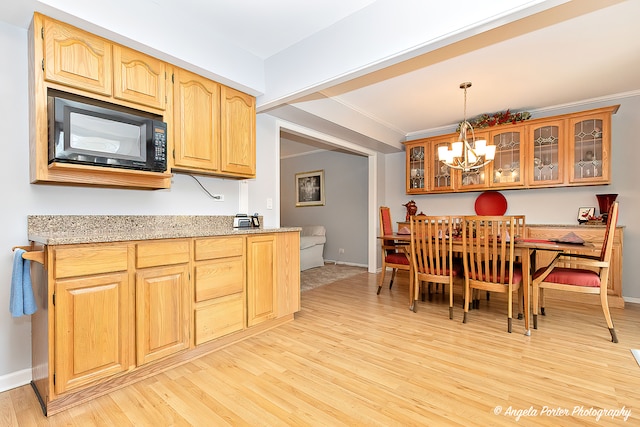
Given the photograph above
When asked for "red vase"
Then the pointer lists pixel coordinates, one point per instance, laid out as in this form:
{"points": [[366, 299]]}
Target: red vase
{"points": [[604, 202]]}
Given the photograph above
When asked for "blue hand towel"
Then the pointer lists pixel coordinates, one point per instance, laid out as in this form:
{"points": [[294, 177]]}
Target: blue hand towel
{"points": [[21, 300]]}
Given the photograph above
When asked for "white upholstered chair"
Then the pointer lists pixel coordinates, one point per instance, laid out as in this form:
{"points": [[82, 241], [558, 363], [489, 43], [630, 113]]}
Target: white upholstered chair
{"points": [[312, 240]]}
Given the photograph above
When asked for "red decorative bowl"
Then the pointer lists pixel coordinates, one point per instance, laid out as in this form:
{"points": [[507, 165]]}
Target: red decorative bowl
{"points": [[491, 203]]}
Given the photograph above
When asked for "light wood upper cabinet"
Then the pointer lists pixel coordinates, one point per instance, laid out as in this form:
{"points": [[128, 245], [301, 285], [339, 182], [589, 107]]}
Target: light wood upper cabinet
{"points": [[545, 153], [238, 133], [567, 150], [590, 148], [75, 58], [417, 158], [196, 134], [139, 78], [508, 165], [65, 58], [214, 128], [475, 179]]}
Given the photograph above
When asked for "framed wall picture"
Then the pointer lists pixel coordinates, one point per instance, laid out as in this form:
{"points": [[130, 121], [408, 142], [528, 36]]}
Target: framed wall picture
{"points": [[310, 188], [584, 214]]}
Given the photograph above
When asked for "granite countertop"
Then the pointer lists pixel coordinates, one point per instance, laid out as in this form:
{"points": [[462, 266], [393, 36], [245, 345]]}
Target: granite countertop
{"points": [[71, 229]]}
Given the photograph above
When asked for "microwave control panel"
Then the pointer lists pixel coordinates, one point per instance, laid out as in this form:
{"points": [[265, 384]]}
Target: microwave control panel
{"points": [[160, 145]]}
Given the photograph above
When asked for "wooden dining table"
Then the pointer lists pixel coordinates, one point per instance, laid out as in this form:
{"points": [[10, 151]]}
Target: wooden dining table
{"points": [[524, 248]]}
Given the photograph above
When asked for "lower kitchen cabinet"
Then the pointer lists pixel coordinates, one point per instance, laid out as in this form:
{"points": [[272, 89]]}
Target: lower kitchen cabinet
{"points": [[110, 314], [261, 278], [91, 329], [162, 312], [219, 287]]}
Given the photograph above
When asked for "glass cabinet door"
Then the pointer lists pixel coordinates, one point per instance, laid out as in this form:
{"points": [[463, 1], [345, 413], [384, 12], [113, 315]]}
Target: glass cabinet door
{"points": [[588, 150], [475, 178], [545, 154], [441, 175], [506, 168], [415, 168]]}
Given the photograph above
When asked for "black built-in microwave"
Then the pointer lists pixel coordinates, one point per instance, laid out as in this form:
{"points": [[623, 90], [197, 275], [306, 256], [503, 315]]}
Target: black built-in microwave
{"points": [[91, 132]]}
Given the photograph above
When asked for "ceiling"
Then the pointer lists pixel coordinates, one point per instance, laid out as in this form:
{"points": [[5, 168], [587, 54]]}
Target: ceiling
{"points": [[523, 55]]}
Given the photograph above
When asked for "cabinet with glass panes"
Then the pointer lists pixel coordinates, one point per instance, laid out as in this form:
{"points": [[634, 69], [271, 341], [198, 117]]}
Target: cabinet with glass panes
{"points": [[545, 157], [565, 150], [590, 148], [415, 166], [506, 168]]}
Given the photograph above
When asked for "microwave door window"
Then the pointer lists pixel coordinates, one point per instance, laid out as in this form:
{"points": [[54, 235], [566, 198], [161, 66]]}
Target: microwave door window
{"points": [[103, 137]]}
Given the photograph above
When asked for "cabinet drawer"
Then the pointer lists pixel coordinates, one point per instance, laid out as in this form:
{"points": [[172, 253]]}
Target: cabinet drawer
{"points": [[87, 260], [219, 277], [162, 252], [219, 247], [220, 317]]}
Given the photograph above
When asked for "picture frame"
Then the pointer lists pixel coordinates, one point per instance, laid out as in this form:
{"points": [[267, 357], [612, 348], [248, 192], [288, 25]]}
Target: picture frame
{"points": [[310, 188], [584, 214]]}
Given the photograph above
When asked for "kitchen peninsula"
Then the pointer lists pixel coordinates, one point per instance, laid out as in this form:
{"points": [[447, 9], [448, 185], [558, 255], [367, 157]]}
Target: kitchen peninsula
{"points": [[121, 298]]}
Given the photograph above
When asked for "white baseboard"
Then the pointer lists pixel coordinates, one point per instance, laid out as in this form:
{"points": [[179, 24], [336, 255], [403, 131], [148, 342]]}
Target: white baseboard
{"points": [[353, 264], [631, 300], [15, 379]]}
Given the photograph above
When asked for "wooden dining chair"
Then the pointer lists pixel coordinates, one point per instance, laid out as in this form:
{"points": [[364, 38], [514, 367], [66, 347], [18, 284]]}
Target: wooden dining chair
{"points": [[432, 254], [587, 274], [489, 260], [394, 255]]}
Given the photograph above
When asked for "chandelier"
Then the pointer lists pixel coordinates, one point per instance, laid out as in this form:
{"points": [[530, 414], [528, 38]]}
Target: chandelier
{"points": [[465, 155]]}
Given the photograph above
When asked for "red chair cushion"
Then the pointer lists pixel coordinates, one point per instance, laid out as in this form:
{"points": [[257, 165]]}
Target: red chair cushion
{"points": [[571, 276], [396, 259], [517, 276]]}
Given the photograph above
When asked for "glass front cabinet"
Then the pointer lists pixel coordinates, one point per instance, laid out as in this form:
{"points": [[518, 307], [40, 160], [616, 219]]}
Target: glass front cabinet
{"points": [[568, 150], [416, 161], [545, 154], [590, 148], [506, 168]]}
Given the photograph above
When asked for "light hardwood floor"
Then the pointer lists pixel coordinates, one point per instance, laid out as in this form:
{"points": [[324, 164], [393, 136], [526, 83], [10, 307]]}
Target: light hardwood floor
{"points": [[352, 358]]}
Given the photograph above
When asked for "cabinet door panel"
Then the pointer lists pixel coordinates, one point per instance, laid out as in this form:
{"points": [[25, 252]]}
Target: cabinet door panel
{"points": [[197, 122], [416, 161], [441, 176], [589, 153], [288, 279], [238, 133], [546, 155], [506, 168], [138, 78], [261, 279], [77, 59], [162, 312], [91, 329]]}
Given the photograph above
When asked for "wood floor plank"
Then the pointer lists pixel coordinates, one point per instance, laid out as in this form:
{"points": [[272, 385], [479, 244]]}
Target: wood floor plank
{"points": [[353, 358]]}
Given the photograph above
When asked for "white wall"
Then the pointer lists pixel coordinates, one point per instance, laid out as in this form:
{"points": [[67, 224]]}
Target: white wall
{"points": [[344, 214]]}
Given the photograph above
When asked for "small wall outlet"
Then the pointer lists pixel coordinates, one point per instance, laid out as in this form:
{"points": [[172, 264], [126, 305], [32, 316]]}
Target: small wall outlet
{"points": [[341, 250], [218, 197]]}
